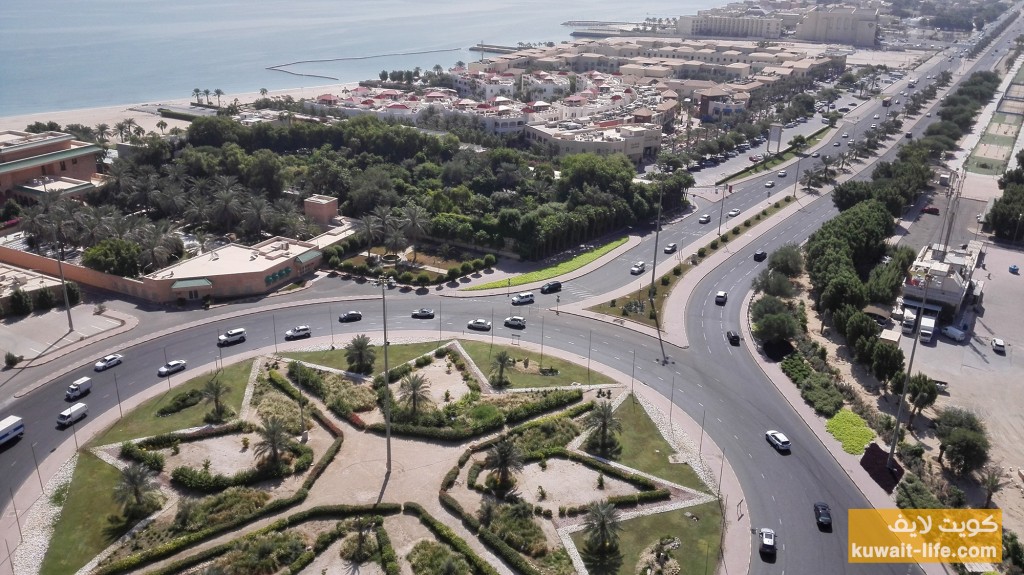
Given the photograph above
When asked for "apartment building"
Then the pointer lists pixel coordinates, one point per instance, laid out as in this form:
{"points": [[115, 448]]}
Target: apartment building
{"points": [[839, 25], [709, 23], [34, 164], [946, 274]]}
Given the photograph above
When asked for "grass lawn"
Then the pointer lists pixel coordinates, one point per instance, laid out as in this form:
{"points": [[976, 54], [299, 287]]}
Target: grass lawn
{"points": [[567, 372], [82, 530], [995, 140], [700, 539], [143, 421], [645, 449], [991, 167], [556, 270], [661, 297], [397, 354], [774, 161]]}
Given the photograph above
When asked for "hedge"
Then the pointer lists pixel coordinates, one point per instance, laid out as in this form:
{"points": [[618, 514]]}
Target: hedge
{"points": [[634, 499], [206, 482], [180, 401], [280, 382], [153, 554], [550, 401], [169, 439], [151, 459], [496, 544], [164, 112], [468, 521], [449, 478], [444, 533], [474, 472], [388, 558], [321, 465], [571, 413], [440, 433]]}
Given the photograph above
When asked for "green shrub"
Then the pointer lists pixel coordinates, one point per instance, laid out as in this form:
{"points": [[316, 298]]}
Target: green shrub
{"points": [[714, 244], [466, 268], [851, 430], [478, 264], [11, 360], [724, 238], [736, 231], [677, 270], [405, 278], [454, 273], [747, 223], [422, 279], [151, 459], [490, 260], [445, 534], [665, 280], [912, 493], [701, 252], [548, 402], [181, 401]]}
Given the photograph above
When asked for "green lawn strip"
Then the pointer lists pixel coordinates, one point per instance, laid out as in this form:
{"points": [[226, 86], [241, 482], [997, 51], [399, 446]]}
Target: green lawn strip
{"points": [[82, 531], [645, 449], [996, 140], [774, 161], [144, 422], [568, 372], [397, 355], [664, 291], [851, 430], [554, 271], [700, 540]]}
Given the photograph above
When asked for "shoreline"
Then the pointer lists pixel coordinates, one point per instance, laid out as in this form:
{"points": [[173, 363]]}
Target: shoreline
{"points": [[111, 115]]}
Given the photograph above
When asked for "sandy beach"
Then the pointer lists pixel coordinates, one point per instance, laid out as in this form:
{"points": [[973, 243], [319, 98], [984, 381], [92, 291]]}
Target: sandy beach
{"points": [[144, 113]]}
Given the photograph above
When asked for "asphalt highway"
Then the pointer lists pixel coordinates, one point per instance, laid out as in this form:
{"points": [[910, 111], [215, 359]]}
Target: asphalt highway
{"points": [[714, 382]]}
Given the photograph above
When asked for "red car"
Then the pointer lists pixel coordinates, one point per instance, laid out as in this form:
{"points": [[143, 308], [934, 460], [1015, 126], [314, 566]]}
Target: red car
{"points": [[931, 210]]}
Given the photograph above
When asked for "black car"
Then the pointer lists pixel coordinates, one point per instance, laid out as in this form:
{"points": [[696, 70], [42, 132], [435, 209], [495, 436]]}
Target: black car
{"points": [[551, 287], [760, 255], [733, 337], [350, 316], [823, 515]]}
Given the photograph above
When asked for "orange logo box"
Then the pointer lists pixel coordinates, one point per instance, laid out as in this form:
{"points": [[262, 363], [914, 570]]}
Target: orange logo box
{"points": [[925, 536]]}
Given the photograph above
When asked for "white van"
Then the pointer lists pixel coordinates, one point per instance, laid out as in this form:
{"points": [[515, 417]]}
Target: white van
{"points": [[522, 298], [78, 388], [72, 414], [954, 334], [11, 427]]}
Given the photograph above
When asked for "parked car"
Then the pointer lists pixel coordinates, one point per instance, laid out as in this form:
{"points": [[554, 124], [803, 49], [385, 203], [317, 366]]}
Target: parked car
{"points": [[551, 287], [998, 345], [671, 248], [231, 336], [298, 331], [423, 313], [173, 366], [108, 361], [823, 515], [704, 218], [479, 324], [515, 321], [638, 268], [777, 439], [760, 255], [350, 316]]}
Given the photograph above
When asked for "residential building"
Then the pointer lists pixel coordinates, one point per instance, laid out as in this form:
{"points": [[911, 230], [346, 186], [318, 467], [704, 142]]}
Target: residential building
{"points": [[947, 276], [712, 23], [34, 164], [839, 25]]}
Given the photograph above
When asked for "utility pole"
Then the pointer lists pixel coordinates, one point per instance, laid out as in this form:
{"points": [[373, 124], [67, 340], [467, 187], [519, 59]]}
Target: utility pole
{"points": [[906, 378], [387, 396]]}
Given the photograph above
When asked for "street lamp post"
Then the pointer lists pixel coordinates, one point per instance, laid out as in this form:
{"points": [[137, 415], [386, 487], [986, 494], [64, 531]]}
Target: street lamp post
{"points": [[36, 461], [118, 392], [387, 396], [906, 379]]}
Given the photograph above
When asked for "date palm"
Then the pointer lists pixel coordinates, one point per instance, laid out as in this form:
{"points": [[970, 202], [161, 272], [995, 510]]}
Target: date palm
{"points": [[600, 552], [206, 94], [992, 481], [394, 241], [414, 391], [602, 421], [196, 93], [273, 439], [102, 132], [505, 459], [218, 92], [501, 360], [214, 392], [135, 487], [225, 209], [264, 92], [256, 214], [161, 125], [360, 355], [416, 219]]}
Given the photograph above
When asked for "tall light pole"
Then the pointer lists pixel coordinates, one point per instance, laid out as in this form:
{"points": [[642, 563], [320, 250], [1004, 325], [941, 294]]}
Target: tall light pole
{"points": [[60, 267], [36, 461], [906, 377], [118, 392], [652, 292], [387, 396], [590, 339], [541, 342]]}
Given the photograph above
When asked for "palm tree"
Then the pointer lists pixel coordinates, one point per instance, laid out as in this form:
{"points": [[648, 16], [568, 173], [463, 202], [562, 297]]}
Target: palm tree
{"points": [[218, 92], [225, 209], [416, 219], [135, 487], [264, 92], [360, 355], [600, 552], [206, 94], [501, 360], [257, 214], [602, 421], [161, 125], [196, 93], [370, 229], [922, 393], [992, 481], [273, 439], [505, 459], [214, 392], [102, 132], [395, 241], [414, 391]]}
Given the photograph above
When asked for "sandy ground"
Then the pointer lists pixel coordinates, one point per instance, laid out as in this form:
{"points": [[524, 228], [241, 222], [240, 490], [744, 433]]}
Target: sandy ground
{"points": [[144, 112]]}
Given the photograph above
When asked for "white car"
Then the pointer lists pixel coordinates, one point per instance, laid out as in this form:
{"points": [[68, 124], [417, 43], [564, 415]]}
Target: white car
{"points": [[671, 248], [928, 115], [734, 212], [638, 268], [998, 345], [479, 324], [769, 184], [874, 126], [108, 361], [515, 321], [766, 540], [782, 173], [423, 313], [173, 366], [845, 135], [777, 439], [704, 219], [298, 331], [876, 116]]}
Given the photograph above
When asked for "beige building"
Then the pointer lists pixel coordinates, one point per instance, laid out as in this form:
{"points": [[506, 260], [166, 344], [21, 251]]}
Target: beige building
{"points": [[839, 25], [707, 23], [947, 273], [34, 164], [636, 141]]}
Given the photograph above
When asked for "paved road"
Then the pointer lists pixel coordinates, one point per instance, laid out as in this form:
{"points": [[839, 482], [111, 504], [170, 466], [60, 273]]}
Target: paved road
{"points": [[710, 378]]}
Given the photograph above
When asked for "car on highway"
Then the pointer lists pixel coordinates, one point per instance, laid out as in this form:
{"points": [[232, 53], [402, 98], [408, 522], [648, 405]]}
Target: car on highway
{"points": [[522, 298], [671, 248], [108, 362], [778, 439], [760, 255], [231, 336], [298, 331], [350, 316], [721, 297], [845, 135], [998, 345], [638, 268], [875, 116], [733, 337], [516, 321], [734, 212], [704, 218], [551, 287], [756, 158], [835, 144], [931, 210], [173, 366], [823, 515], [782, 174], [928, 115], [766, 541], [769, 184], [479, 324], [815, 155], [423, 313], [874, 126]]}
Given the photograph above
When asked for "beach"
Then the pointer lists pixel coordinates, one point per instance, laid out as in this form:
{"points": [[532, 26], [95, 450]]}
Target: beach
{"points": [[145, 113]]}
